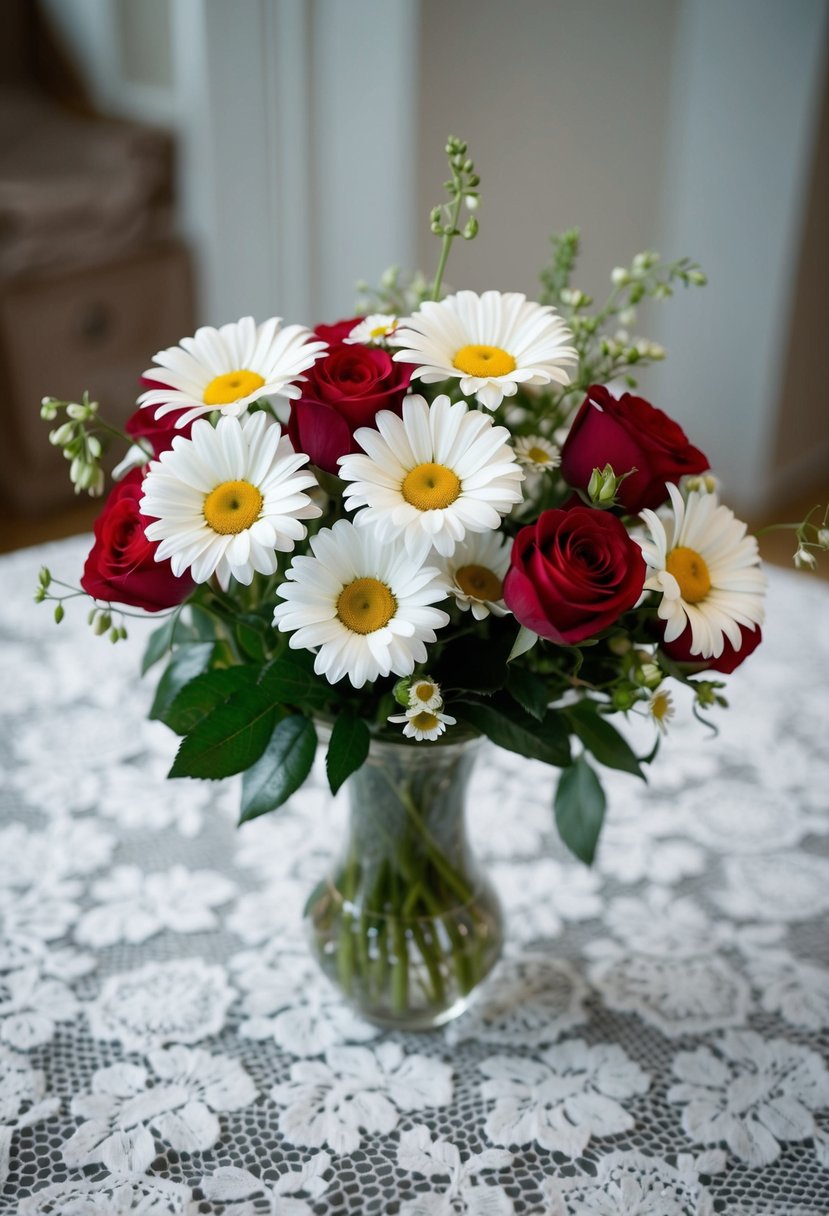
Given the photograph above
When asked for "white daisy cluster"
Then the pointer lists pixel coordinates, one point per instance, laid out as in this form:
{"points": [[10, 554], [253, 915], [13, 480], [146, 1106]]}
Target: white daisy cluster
{"points": [[423, 718]]}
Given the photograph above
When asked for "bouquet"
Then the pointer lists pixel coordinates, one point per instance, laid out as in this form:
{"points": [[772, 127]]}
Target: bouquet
{"points": [[448, 516]]}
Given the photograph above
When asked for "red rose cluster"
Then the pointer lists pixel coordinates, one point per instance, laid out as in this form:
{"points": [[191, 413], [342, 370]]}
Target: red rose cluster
{"points": [[342, 391], [576, 570]]}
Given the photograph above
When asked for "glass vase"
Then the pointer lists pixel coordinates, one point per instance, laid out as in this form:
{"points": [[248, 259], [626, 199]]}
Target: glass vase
{"points": [[407, 924]]}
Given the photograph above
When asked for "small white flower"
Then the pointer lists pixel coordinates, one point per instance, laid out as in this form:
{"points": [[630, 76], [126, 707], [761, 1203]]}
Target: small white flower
{"points": [[424, 723], [366, 605], [227, 500], [436, 474], [537, 453], [804, 560], [373, 330], [425, 694], [476, 573], [228, 369], [707, 571], [661, 709], [490, 343]]}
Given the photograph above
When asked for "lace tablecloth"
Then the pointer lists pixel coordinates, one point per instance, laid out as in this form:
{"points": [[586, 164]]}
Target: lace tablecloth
{"points": [[653, 1043]]}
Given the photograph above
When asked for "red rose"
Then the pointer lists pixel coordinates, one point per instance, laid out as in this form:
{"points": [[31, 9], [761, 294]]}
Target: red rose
{"points": [[159, 432], [680, 651], [573, 573], [628, 433], [344, 390], [121, 566]]}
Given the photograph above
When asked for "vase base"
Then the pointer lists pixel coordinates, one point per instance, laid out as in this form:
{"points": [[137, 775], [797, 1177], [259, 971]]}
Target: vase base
{"points": [[417, 1020]]}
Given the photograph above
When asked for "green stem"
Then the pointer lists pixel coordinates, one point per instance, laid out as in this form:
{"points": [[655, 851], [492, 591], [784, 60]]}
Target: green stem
{"points": [[448, 237]]}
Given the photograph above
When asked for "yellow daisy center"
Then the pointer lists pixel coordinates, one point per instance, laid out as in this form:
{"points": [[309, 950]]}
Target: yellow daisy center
{"points": [[479, 582], [424, 691], [538, 455], [424, 720], [366, 605], [430, 487], [690, 571], [232, 507], [484, 361], [231, 386], [380, 331]]}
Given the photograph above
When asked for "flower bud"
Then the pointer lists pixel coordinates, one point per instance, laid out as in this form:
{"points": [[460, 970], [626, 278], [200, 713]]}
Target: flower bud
{"points": [[804, 560], [400, 692], [102, 624], [59, 613], [823, 538], [602, 486], [61, 435], [620, 276], [623, 698]]}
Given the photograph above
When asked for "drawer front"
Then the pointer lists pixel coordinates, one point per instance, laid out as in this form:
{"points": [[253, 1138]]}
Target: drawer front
{"points": [[95, 330]]}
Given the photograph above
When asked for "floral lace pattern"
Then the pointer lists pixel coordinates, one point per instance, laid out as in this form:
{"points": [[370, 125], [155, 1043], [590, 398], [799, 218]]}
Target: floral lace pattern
{"points": [[653, 1043]]}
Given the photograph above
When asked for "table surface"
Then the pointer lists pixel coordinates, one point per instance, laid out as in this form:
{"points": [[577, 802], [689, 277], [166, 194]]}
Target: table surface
{"points": [[653, 1043]]}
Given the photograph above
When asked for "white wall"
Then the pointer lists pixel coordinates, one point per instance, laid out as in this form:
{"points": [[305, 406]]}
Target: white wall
{"points": [[747, 84], [564, 106]]}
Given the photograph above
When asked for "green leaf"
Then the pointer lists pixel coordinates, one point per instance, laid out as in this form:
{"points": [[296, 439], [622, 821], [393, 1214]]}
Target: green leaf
{"points": [[161, 640], [187, 662], [250, 634], [529, 690], [288, 682], [512, 728], [602, 738], [203, 623], [347, 749], [198, 698], [580, 805], [281, 769], [230, 739]]}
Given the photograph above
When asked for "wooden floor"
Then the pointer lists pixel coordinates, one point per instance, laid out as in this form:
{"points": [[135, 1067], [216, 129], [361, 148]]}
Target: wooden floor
{"points": [[17, 532]]}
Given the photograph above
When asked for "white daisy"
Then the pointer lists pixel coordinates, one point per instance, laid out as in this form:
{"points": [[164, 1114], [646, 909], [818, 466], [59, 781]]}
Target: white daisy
{"points": [[707, 570], [373, 329], [366, 605], [661, 709], [476, 573], [491, 343], [423, 723], [437, 473], [227, 499], [537, 453], [425, 694], [229, 368]]}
